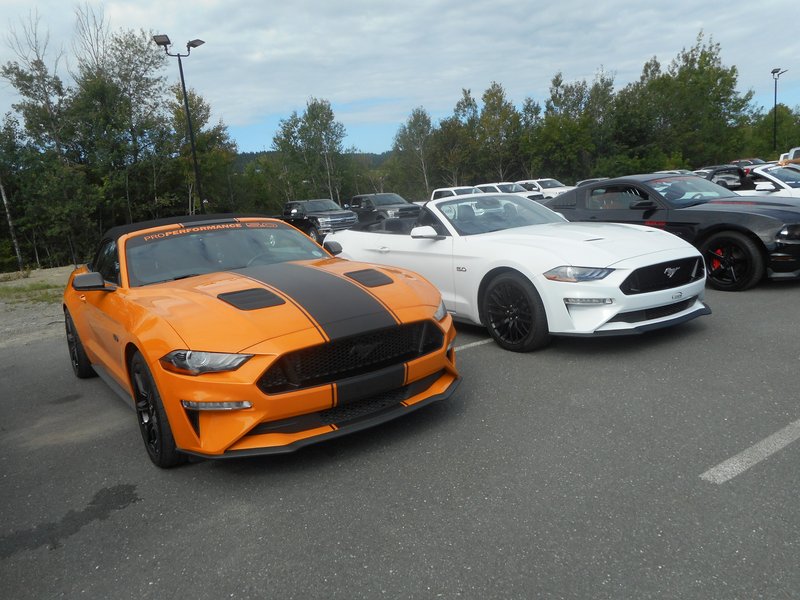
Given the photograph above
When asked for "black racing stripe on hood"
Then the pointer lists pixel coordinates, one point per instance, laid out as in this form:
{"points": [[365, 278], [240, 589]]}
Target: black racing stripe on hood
{"points": [[339, 307]]}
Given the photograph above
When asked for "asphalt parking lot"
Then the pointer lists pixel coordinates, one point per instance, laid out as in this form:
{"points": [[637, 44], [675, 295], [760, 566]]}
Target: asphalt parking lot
{"points": [[656, 466]]}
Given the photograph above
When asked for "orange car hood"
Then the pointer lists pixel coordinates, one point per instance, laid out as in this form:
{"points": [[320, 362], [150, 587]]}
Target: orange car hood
{"points": [[230, 311]]}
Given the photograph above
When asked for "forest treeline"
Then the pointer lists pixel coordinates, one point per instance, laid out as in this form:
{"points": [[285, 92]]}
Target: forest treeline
{"points": [[112, 146]]}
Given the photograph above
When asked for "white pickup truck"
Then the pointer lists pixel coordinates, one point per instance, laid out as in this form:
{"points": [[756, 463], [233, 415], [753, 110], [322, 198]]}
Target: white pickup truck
{"points": [[792, 157]]}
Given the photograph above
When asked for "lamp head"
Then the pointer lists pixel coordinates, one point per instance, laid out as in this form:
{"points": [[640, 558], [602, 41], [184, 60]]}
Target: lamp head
{"points": [[194, 43], [163, 40]]}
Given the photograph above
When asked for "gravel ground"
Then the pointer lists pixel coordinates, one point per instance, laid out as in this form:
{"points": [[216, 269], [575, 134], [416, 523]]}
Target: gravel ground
{"points": [[22, 322]]}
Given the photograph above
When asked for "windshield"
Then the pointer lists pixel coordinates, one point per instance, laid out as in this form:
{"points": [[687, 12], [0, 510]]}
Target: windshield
{"points": [[387, 199], [467, 190], [180, 253], [550, 183], [493, 212], [511, 188], [322, 205], [688, 190], [787, 175]]}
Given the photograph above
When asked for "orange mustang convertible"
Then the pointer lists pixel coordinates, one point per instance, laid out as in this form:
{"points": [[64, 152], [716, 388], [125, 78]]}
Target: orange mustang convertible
{"points": [[236, 336]]}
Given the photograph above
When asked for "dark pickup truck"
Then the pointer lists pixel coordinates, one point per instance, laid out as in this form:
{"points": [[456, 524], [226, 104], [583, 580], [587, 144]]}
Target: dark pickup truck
{"points": [[318, 218], [376, 207]]}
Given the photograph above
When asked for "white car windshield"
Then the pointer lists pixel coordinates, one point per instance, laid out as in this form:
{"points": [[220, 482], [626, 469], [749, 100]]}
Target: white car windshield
{"points": [[787, 175], [495, 212]]}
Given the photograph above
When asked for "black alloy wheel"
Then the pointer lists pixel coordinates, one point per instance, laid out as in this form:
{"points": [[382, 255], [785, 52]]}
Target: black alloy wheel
{"points": [[514, 314], [153, 421], [313, 233], [81, 365], [733, 261]]}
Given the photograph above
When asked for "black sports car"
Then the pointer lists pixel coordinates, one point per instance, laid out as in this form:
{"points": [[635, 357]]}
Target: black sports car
{"points": [[742, 238]]}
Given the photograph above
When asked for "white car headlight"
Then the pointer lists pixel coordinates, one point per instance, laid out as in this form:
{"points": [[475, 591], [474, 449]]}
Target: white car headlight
{"points": [[392, 213], [441, 311], [188, 362], [577, 274], [324, 220]]}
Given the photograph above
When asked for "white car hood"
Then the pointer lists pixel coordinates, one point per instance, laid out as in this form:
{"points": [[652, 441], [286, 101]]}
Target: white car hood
{"points": [[606, 243]]}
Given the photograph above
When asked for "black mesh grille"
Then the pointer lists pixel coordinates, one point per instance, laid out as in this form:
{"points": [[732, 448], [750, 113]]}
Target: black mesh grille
{"points": [[351, 356], [637, 316], [338, 222], [349, 413], [663, 276]]}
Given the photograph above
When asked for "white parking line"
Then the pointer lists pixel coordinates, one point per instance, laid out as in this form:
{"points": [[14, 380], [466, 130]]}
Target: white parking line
{"points": [[738, 464], [473, 344]]}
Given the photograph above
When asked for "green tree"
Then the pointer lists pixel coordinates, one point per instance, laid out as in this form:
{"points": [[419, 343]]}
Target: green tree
{"points": [[499, 134], [413, 147], [311, 149]]}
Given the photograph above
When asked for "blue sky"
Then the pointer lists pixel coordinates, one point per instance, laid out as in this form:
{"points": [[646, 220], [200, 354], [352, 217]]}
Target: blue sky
{"points": [[376, 61]]}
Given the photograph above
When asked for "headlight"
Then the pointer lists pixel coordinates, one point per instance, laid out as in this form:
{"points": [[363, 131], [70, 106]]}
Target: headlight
{"points": [[324, 220], [188, 362], [441, 311], [577, 274], [392, 213], [790, 233]]}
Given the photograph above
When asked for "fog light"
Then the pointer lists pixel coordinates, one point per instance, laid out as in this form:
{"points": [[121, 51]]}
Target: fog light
{"points": [[238, 405], [585, 301]]}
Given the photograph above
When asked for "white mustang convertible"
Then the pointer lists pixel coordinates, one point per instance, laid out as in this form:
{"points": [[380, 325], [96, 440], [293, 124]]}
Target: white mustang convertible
{"points": [[526, 273]]}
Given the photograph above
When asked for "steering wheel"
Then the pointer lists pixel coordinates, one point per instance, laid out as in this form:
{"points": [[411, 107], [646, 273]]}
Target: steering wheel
{"points": [[697, 196]]}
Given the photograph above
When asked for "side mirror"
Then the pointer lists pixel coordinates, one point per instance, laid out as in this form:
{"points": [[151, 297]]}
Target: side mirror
{"points": [[766, 186], [91, 282], [425, 232], [333, 247]]}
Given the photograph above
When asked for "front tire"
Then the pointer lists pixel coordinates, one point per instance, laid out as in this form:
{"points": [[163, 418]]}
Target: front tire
{"points": [[514, 314], [81, 365], [313, 233], [733, 261], [153, 421]]}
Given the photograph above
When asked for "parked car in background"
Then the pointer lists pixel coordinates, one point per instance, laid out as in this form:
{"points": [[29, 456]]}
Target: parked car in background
{"points": [[729, 176], [549, 187], [447, 192], [775, 180], [792, 157], [509, 187], [742, 239], [317, 218], [677, 172], [747, 164], [374, 207], [238, 336], [590, 180], [525, 273]]}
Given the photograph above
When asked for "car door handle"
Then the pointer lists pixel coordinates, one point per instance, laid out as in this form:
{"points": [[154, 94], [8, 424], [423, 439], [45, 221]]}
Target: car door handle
{"points": [[383, 249]]}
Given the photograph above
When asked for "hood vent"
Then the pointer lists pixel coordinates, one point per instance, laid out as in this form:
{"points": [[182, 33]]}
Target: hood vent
{"points": [[369, 278], [252, 299]]}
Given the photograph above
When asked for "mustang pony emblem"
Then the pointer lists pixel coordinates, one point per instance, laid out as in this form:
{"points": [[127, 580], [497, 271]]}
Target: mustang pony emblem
{"points": [[670, 271]]}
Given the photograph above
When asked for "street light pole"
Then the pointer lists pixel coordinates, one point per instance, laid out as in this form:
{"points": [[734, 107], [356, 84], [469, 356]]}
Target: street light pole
{"points": [[164, 42], [776, 73]]}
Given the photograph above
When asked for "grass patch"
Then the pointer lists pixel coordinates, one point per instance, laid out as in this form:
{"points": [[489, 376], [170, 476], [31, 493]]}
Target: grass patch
{"points": [[32, 292]]}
